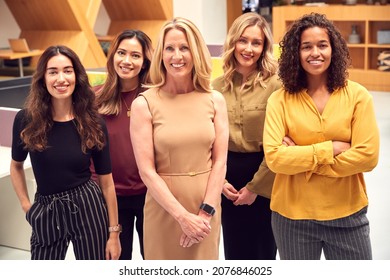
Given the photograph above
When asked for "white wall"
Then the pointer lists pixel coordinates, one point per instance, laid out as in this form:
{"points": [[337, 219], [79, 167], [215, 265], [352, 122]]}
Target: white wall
{"points": [[8, 26], [208, 15]]}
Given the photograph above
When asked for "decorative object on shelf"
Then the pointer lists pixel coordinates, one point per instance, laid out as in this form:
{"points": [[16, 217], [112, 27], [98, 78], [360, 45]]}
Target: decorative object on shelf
{"points": [[384, 61], [354, 37], [350, 2], [383, 2], [383, 37]]}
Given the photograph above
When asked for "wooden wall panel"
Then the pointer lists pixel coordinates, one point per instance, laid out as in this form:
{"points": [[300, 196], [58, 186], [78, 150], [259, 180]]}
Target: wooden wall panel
{"points": [[67, 22], [148, 16]]}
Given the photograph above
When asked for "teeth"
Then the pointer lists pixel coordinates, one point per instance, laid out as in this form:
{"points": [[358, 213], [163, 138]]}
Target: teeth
{"points": [[315, 62], [176, 65]]}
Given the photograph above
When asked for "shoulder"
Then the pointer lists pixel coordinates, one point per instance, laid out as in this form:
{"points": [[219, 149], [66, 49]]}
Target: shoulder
{"points": [[278, 94], [97, 88], [218, 83], [274, 81], [20, 116], [218, 98], [356, 90]]}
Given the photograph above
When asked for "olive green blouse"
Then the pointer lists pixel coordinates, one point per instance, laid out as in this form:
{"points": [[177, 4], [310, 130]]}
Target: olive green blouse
{"points": [[246, 107]]}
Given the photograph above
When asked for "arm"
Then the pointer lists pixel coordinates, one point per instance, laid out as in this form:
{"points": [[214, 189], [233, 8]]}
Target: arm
{"points": [[18, 180], [141, 130], [113, 247], [363, 154], [261, 184], [219, 153], [290, 160]]}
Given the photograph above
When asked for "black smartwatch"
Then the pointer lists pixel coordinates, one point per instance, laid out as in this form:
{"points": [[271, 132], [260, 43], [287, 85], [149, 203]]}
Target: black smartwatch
{"points": [[208, 209]]}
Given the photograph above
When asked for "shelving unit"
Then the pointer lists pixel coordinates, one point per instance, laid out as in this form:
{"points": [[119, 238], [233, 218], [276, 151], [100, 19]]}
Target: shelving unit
{"points": [[368, 19]]}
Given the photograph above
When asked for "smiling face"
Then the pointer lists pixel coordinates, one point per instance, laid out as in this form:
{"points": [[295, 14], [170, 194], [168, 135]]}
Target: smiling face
{"points": [[248, 49], [128, 59], [315, 51], [60, 78], [177, 57]]}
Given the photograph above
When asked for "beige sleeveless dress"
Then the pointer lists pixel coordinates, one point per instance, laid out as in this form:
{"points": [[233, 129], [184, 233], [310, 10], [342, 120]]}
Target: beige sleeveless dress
{"points": [[183, 135]]}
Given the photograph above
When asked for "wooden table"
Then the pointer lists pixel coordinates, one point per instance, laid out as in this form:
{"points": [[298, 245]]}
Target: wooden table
{"points": [[105, 38], [9, 54]]}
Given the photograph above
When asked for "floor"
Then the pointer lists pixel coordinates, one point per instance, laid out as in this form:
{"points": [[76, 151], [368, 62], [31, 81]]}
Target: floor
{"points": [[378, 188]]}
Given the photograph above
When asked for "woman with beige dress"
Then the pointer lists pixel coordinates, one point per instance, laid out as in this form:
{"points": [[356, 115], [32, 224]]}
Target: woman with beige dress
{"points": [[179, 131]]}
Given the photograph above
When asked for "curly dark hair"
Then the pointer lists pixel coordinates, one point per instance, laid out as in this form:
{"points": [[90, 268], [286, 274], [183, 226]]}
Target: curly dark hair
{"points": [[291, 72], [39, 119]]}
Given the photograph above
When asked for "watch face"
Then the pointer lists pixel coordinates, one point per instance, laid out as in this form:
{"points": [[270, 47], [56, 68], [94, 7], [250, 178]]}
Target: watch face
{"points": [[208, 209]]}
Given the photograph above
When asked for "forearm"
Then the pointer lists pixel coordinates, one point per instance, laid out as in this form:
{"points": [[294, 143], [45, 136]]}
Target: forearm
{"points": [[215, 184], [108, 190], [161, 193]]}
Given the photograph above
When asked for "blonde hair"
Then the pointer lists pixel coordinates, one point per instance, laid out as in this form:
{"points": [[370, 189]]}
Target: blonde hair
{"points": [[266, 65], [201, 74]]}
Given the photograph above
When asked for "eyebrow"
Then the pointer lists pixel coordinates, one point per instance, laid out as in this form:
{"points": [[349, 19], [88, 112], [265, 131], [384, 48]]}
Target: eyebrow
{"points": [[55, 68]]}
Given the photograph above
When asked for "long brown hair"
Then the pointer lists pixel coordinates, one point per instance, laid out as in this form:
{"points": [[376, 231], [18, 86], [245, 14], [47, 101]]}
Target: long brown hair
{"points": [[38, 106], [108, 96]]}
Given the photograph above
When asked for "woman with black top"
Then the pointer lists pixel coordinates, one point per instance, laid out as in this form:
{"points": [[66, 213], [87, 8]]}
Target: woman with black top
{"points": [[61, 130]]}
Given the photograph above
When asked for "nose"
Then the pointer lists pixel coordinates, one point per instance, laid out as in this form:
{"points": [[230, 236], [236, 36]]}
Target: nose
{"points": [[248, 47], [61, 76], [315, 51], [127, 58], [177, 54]]}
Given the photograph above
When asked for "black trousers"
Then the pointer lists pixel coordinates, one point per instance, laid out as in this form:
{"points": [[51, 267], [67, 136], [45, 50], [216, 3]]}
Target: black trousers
{"points": [[130, 210], [247, 231], [78, 216]]}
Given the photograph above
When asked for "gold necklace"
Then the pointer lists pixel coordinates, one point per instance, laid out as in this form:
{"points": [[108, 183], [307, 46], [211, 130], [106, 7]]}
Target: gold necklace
{"points": [[127, 107]]}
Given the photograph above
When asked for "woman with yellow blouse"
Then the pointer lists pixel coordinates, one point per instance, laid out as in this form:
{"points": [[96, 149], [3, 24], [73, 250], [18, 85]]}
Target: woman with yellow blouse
{"points": [[249, 79], [320, 136]]}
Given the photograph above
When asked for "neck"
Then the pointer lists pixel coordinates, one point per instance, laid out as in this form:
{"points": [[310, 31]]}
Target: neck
{"points": [[129, 85], [62, 111], [178, 87]]}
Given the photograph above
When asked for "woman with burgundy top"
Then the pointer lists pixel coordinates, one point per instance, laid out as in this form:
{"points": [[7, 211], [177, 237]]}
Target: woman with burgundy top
{"points": [[128, 64]]}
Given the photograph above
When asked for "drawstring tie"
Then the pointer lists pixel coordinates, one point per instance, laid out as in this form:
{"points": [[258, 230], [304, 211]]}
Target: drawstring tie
{"points": [[64, 201]]}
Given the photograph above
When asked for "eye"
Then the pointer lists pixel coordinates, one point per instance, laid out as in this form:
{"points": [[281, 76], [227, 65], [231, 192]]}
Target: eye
{"points": [[323, 45], [136, 55], [169, 48], [242, 41], [68, 71], [184, 48], [120, 52], [52, 72]]}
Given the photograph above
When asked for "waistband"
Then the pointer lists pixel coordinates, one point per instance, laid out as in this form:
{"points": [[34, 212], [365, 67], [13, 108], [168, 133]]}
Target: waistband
{"points": [[191, 173], [47, 199]]}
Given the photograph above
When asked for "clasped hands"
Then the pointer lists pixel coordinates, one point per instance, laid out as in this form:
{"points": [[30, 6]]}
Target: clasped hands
{"points": [[195, 228]]}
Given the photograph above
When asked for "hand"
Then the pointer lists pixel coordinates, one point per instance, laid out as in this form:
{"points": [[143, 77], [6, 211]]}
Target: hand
{"points": [[195, 228], [339, 147], [26, 207], [246, 197], [287, 141], [230, 192], [113, 247]]}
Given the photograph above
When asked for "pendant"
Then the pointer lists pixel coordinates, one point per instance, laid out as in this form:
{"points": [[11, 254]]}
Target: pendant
{"points": [[128, 113]]}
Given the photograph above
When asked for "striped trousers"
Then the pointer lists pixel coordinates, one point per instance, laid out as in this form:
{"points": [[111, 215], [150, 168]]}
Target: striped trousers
{"points": [[346, 238], [78, 216]]}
